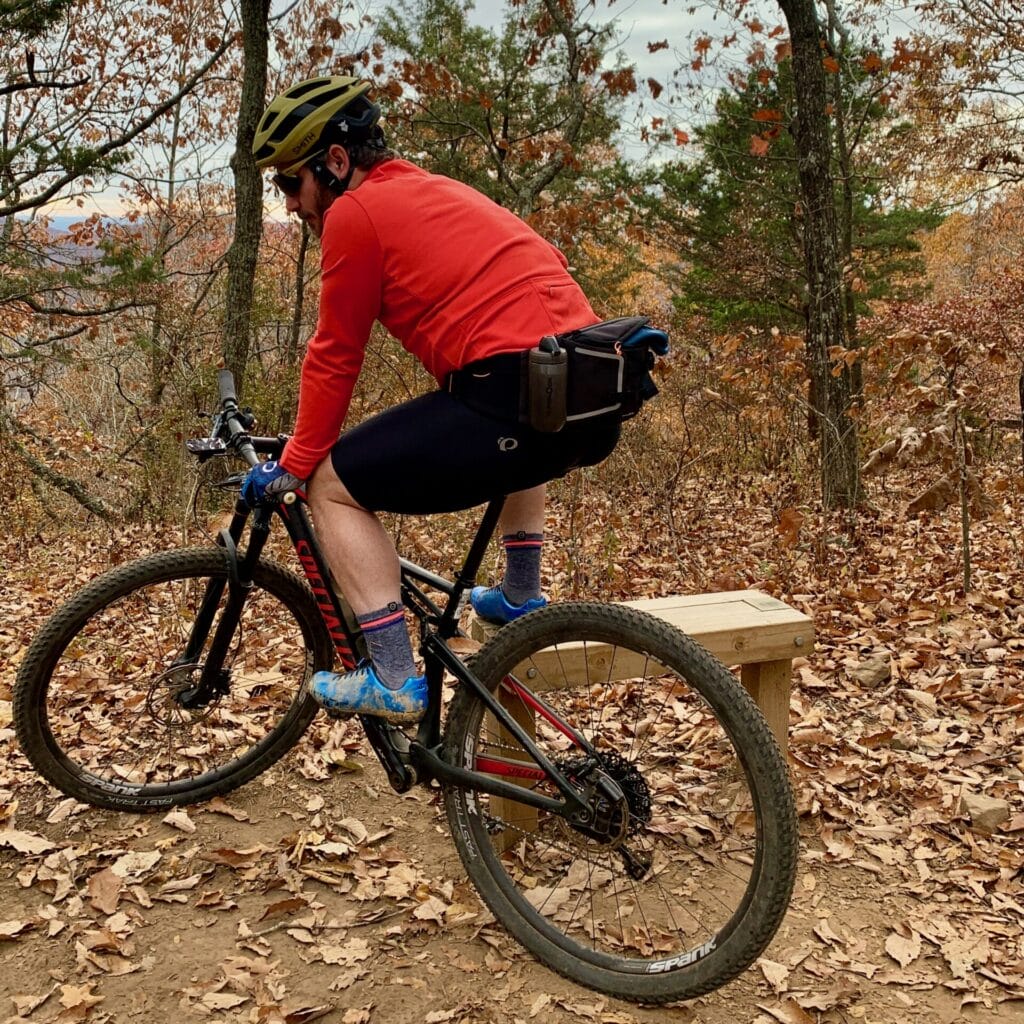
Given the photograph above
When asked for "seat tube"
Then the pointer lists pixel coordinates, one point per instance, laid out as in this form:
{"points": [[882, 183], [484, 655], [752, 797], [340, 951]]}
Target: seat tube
{"points": [[466, 576]]}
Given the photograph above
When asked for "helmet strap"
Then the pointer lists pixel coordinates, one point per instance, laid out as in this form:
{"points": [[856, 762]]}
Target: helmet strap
{"points": [[331, 181]]}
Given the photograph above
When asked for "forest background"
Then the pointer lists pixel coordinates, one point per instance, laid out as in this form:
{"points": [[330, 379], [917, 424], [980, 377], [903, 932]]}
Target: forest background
{"points": [[821, 202]]}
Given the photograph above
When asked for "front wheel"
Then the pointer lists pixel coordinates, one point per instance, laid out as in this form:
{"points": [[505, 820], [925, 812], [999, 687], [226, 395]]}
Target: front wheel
{"points": [[105, 703], [690, 872]]}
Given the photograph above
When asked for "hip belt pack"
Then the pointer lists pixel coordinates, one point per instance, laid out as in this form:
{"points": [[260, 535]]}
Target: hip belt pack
{"points": [[602, 370]]}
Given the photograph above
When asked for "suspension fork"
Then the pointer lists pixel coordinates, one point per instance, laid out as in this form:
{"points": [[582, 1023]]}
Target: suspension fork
{"points": [[227, 539], [213, 679]]}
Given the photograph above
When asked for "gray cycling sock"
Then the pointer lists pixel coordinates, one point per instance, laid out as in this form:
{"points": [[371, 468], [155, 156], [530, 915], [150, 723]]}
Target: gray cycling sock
{"points": [[389, 644], [522, 566]]}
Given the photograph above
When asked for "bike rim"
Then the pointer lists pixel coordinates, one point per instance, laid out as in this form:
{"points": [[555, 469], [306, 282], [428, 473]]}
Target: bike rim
{"points": [[113, 716], [691, 809]]}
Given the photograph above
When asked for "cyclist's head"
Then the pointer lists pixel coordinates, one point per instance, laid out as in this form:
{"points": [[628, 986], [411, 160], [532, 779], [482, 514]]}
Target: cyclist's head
{"points": [[306, 119]]}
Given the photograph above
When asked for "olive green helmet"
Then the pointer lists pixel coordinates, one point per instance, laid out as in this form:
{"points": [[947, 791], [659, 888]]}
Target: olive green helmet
{"points": [[291, 128]]}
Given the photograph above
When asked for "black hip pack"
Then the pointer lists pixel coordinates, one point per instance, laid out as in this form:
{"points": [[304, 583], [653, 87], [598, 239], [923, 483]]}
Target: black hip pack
{"points": [[607, 370], [602, 370]]}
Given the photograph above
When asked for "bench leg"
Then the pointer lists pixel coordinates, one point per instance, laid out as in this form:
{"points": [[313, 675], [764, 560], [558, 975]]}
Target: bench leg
{"points": [[768, 682], [521, 815]]}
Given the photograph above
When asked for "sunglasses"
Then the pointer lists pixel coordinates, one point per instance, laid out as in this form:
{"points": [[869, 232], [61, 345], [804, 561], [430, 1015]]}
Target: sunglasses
{"points": [[287, 184], [290, 184]]}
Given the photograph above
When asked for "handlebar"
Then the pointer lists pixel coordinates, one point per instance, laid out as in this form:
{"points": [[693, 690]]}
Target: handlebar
{"points": [[234, 420], [230, 431], [226, 384]]}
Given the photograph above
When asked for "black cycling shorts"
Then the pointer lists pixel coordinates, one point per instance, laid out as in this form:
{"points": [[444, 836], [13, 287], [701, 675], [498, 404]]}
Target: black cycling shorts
{"points": [[434, 454]]}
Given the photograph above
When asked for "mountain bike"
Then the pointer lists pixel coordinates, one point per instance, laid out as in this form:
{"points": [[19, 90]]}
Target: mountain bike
{"points": [[615, 795]]}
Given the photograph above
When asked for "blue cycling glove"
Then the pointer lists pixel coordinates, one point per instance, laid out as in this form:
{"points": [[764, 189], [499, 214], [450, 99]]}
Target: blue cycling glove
{"points": [[268, 482]]}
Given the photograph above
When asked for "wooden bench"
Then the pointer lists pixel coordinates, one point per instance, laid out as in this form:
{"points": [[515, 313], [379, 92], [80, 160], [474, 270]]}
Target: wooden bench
{"points": [[739, 627]]}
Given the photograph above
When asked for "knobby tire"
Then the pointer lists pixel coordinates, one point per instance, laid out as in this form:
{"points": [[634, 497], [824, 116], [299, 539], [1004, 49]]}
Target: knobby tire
{"points": [[95, 700], [710, 808]]}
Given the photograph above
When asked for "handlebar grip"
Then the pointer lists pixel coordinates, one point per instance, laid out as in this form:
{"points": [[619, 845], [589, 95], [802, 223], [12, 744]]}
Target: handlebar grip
{"points": [[226, 383]]}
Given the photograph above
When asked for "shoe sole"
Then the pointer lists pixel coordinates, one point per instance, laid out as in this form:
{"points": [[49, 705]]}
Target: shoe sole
{"points": [[394, 717]]}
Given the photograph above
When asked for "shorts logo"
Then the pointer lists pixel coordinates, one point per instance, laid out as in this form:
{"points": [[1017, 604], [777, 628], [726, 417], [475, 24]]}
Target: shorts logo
{"points": [[507, 444]]}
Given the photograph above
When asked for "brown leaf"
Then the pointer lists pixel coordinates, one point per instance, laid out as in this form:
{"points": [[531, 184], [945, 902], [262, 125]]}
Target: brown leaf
{"points": [[223, 1000], [307, 1013], [431, 909], [73, 997], [25, 1005], [220, 806], [135, 866], [464, 645], [775, 974], [24, 842], [105, 890], [788, 1012], [12, 929], [234, 858], [180, 820], [283, 907], [903, 950], [790, 522]]}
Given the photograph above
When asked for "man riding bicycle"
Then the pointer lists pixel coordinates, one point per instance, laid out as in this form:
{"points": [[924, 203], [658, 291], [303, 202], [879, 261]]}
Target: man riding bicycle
{"points": [[467, 287]]}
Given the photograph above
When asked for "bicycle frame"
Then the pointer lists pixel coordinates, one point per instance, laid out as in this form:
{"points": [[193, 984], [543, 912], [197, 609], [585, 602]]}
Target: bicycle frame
{"points": [[407, 762]]}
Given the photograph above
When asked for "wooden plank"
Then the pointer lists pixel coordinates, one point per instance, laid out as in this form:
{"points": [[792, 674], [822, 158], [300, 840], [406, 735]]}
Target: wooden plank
{"points": [[522, 816], [738, 627], [769, 682]]}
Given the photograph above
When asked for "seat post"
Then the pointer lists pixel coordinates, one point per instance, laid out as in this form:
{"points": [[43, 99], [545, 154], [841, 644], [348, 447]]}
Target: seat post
{"points": [[466, 576]]}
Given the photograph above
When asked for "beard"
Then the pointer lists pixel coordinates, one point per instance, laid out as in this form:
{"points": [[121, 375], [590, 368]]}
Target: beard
{"points": [[323, 197]]}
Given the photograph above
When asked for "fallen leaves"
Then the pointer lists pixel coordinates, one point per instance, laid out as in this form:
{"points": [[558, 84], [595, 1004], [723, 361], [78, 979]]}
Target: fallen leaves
{"points": [[903, 949], [897, 886], [104, 890], [24, 842]]}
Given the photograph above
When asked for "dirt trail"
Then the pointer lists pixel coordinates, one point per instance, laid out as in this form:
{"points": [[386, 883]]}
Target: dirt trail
{"points": [[226, 919], [903, 911]]}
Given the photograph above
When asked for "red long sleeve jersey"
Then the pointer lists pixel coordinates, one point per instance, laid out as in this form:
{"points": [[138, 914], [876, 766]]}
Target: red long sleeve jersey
{"points": [[450, 274]]}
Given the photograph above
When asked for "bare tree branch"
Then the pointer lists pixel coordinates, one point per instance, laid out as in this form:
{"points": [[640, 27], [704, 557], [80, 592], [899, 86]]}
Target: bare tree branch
{"points": [[121, 140]]}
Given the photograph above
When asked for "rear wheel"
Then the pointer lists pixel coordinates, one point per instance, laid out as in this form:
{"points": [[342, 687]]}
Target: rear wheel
{"points": [[687, 871], [104, 702]]}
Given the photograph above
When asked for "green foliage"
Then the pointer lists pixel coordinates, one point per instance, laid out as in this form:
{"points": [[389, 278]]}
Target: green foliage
{"points": [[27, 19], [524, 113], [740, 210]]}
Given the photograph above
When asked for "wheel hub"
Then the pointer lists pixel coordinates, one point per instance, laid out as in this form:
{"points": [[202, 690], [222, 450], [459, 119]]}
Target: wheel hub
{"points": [[171, 696]]}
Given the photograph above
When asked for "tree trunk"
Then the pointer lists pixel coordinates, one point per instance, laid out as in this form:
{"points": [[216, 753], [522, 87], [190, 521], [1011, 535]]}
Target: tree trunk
{"points": [[241, 258], [291, 349], [1020, 396], [291, 352], [840, 477], [844, 153]]}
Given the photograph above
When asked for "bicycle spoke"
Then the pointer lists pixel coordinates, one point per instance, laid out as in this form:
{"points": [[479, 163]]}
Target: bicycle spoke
{"points": [[115, 700], [661, 867]]}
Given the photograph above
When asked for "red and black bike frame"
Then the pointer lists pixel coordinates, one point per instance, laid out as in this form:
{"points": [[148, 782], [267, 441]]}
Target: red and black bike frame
{"points": [[406, 761]]}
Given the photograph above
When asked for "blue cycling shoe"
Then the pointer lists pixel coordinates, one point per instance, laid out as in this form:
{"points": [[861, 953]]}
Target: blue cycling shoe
{"points": [[360, 692], [491, 605]]}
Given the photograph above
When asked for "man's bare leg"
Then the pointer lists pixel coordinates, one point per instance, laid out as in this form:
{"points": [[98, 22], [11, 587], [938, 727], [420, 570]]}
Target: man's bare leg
{"points": [[358, 549], [524, 511]]}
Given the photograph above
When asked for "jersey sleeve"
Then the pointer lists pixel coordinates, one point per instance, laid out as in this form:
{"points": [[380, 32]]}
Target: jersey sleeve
{"points": [[351, 266]]}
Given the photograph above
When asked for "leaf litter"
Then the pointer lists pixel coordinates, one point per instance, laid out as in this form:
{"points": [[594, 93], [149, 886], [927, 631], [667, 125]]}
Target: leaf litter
{"points": [[906, 714]]}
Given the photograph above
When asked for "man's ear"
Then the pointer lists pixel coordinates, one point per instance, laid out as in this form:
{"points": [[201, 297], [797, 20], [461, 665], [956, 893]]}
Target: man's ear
{"points": [[338, 161]]}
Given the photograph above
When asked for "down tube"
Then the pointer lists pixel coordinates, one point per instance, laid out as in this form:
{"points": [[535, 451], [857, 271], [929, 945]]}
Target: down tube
{"points": [[317, 574]]}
